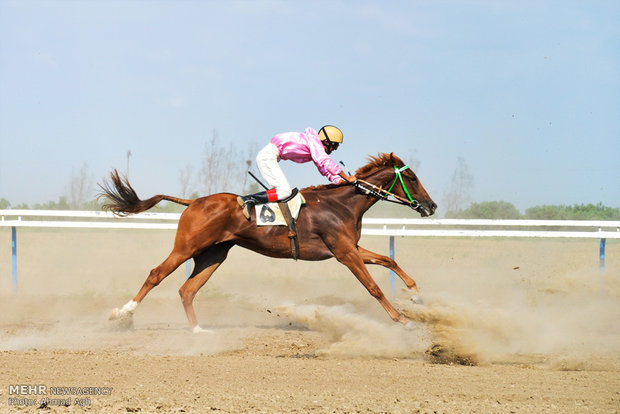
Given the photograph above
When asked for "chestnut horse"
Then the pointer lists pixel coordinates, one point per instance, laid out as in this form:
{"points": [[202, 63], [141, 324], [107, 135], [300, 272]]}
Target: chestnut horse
{"points": [[329, 225]]}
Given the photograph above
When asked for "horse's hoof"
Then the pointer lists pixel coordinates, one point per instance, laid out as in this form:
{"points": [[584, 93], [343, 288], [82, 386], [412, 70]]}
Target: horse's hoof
{"points": [[417, 300], [411, 326], [198, 329], [403, 319], [115, 314], [121, 322]]}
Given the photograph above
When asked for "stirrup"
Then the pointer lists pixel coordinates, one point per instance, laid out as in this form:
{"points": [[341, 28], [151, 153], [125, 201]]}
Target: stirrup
{"points": [[294, 192], [244, 207]]}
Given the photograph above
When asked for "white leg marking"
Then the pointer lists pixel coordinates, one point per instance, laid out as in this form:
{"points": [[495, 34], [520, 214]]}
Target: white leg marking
{"points": [[128, 308], [198, 329]]}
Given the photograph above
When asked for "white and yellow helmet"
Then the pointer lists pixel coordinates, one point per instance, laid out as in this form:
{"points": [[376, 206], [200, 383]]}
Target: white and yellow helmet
{"points": [[331, 134]]}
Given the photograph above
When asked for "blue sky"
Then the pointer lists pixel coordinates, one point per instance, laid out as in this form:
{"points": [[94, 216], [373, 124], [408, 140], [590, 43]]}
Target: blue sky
{"points": [[526, 92]]}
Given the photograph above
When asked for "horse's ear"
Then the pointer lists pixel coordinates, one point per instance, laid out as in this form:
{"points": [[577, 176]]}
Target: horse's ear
{"points": [[395, 161]]}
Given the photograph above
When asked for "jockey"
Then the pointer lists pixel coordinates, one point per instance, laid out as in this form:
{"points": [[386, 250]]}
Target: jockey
{"points": [[298, 147]]}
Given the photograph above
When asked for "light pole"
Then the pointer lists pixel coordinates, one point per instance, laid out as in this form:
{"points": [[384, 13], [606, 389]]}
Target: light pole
{"points": [[127, 170]]}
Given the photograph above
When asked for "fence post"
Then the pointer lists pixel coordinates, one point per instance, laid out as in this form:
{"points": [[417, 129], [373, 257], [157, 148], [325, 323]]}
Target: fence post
{"points": [[392, 275], [602, 266], [14, 256], [602, 255]]}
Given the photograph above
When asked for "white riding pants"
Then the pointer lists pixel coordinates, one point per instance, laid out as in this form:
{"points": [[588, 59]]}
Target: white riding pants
{"points": [[267, 161]]}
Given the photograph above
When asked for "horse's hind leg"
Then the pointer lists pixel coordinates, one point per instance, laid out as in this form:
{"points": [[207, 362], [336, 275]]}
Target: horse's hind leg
{"points": [[205, 264], [158, 274], [374, 258]]}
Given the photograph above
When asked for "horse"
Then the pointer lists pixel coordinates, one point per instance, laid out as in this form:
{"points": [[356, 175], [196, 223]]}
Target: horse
{"points": [[329, 226]]}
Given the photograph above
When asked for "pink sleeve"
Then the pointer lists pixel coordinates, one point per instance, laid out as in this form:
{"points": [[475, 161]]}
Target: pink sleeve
{"points": [[326, 165], [336, 179]]}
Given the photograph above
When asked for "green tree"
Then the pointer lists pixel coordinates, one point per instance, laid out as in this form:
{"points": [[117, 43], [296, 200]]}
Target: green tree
{"points": [[487, 210], [575, 212], [61, 204], [168, 207], [4, 204]]}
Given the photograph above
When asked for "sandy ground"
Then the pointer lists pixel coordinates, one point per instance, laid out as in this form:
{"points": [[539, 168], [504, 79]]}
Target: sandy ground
{"points": [[522, 326]]}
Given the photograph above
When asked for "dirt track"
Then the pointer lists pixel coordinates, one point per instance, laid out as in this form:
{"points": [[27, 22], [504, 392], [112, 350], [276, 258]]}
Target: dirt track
{"points": [[533, 321]]}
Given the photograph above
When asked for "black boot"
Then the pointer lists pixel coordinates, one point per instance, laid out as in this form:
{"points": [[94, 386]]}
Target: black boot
{"points": [[250, 200]]}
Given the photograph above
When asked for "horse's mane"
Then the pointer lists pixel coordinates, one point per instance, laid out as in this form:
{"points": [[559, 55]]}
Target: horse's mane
{"points": [[380, 161], [374, 163]]}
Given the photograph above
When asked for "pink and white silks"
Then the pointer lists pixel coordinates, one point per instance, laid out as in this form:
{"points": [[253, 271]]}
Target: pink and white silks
{"points": [[299, 147]]}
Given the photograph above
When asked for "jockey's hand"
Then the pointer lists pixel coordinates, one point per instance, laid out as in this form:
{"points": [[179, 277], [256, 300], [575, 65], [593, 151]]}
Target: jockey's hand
{"points": [[348, 178]]}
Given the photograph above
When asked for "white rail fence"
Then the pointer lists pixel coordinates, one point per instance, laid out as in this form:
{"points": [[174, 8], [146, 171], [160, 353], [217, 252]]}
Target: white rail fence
{"points": [[370, 226]]}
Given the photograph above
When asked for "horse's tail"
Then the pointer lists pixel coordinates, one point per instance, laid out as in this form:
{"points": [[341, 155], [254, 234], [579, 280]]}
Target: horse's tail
{"points": [[123, 199]]}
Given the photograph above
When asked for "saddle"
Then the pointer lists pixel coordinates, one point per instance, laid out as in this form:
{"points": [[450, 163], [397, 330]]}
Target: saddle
{"points": [[282, 213]]}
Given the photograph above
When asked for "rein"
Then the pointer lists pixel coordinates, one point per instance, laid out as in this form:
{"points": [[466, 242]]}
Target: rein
{"points": [[382, 194]]}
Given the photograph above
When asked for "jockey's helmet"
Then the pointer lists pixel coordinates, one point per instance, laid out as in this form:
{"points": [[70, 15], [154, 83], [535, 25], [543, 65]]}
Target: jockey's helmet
{"points": [[331, 134]]}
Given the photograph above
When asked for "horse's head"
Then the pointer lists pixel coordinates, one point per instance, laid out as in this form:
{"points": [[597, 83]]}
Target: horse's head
{"points": [[390, 173]]}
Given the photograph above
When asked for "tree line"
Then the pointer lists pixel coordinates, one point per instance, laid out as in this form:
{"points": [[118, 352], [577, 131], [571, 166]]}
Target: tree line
{"points": [[506, 210]]}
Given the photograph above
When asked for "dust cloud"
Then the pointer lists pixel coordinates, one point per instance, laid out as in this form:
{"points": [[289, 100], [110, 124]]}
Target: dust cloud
{"points": [[570, 331], [530, 302], [557, 327], [353, 334]]}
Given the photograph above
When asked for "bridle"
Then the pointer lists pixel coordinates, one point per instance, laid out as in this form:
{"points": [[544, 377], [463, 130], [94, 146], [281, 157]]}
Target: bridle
{"points": [[378, 192]]}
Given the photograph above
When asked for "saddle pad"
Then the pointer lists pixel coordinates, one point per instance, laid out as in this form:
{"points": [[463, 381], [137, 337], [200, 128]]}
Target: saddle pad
{"points": [[270, 215]]}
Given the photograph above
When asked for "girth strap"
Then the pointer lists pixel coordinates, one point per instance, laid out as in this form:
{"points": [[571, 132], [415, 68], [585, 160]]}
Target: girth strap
{"points": [[292, 229]]}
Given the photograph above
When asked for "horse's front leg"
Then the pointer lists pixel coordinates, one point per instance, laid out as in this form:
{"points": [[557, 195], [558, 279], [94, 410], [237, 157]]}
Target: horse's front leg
{"points": [[374, 258], [352, 259]]}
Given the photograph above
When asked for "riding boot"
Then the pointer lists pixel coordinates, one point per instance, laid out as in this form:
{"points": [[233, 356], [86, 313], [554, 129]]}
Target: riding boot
{"points": [[250, 200]]}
